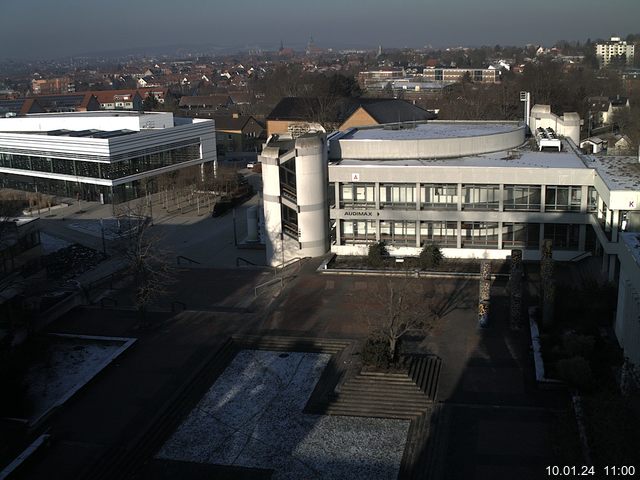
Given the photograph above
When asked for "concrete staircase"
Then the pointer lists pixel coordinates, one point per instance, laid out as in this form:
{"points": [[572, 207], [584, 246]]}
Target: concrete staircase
{"points": [[290, 344], [388, 395]]}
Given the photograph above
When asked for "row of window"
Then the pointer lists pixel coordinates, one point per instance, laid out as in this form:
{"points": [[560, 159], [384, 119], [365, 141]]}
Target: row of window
{"points": [[474, 197], [109, 171], [445, 234]]}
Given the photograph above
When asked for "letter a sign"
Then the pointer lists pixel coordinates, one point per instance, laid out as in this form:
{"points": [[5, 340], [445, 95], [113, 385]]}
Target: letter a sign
{"points": [[355, 177]]}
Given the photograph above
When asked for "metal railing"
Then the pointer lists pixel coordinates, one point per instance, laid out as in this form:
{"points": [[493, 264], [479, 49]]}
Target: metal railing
{"points": [[244, 261], [282, 266], [268, 283], [186, 259]]}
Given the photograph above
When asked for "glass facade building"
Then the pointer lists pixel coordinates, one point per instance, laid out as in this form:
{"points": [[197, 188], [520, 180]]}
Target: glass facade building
{"points": [[97, 165]]}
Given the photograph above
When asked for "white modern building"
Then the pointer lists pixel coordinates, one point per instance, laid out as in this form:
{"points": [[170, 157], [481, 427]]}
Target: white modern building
{"points": [[104, 156], [476, 189], [614, 48]]}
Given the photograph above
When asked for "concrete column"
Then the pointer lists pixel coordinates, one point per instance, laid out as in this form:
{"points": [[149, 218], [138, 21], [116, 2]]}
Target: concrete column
{"points": [[541, 238], [500, 231], [336, 194], [311, 194], [615, 221], [459, 235], [612, 267], [543, 199], [338, 232], [607, 221], [582, 237], [418, 233], [377, 230], [501, 203], [376, 194], [459, 197], [417, 196], [584, 201], [600, 211]]}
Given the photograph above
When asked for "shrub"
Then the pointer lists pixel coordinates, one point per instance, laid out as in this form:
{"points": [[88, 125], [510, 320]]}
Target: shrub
{"points": [[375, 352], [377, 253], [430, 257], [575, 371]]}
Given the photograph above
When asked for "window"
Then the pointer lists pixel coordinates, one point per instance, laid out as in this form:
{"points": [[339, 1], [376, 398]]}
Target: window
{"points": [[521, 235], [288, 179], [357, 195], [480, 234], [400, 233], [357, 232], [289, 222], [562, 235], [592, 203], [522, 197], [481, 197], [563, 198], [443, 234], [439, 196], [399, 196]]}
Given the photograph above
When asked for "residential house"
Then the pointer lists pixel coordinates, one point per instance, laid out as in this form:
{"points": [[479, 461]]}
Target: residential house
{"points": [[237, 134], [20, 106], [119, 100], [204, 106], [68, 102]]}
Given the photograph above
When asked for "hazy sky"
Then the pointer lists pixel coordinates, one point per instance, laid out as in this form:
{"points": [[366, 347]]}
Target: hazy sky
{"points": [[56, 28]]}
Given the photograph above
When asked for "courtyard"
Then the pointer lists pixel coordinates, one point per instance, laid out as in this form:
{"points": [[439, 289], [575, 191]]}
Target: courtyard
{"points": [[156, 415]]}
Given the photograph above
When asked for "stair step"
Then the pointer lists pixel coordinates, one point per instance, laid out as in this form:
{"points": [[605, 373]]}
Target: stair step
{"points": [[374, 413], [382, 396], [394, 380], [383, 381], [413, 409], [383, 375]]}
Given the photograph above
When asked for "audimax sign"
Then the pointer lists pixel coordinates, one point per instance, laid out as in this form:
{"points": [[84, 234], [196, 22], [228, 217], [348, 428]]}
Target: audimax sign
{"points": [[360, 214]]}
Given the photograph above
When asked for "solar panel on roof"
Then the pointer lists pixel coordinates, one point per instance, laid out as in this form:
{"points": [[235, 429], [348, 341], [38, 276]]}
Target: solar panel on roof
{"points": [[82, 133], [111, 134]]}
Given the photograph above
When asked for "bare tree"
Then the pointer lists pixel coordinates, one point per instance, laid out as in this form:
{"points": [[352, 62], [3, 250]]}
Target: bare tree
{"points": [[148, 264], [398, 307], [401, 306]]}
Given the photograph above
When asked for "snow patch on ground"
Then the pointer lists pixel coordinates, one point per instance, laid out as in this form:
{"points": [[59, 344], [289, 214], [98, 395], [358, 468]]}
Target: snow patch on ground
{"points": [[252, 417], [67, 364]]}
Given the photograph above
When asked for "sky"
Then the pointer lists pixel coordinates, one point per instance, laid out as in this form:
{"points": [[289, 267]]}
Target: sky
{"points": [[32, 29]]}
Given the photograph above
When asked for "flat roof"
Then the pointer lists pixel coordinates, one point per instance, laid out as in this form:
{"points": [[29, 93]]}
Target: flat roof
{"points": [[430, 130], [518, 158], [617, 172], [95, 113]]}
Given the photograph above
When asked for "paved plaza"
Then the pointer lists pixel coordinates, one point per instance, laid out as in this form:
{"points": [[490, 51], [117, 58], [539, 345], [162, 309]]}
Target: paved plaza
{"points": [[494, 421]]}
